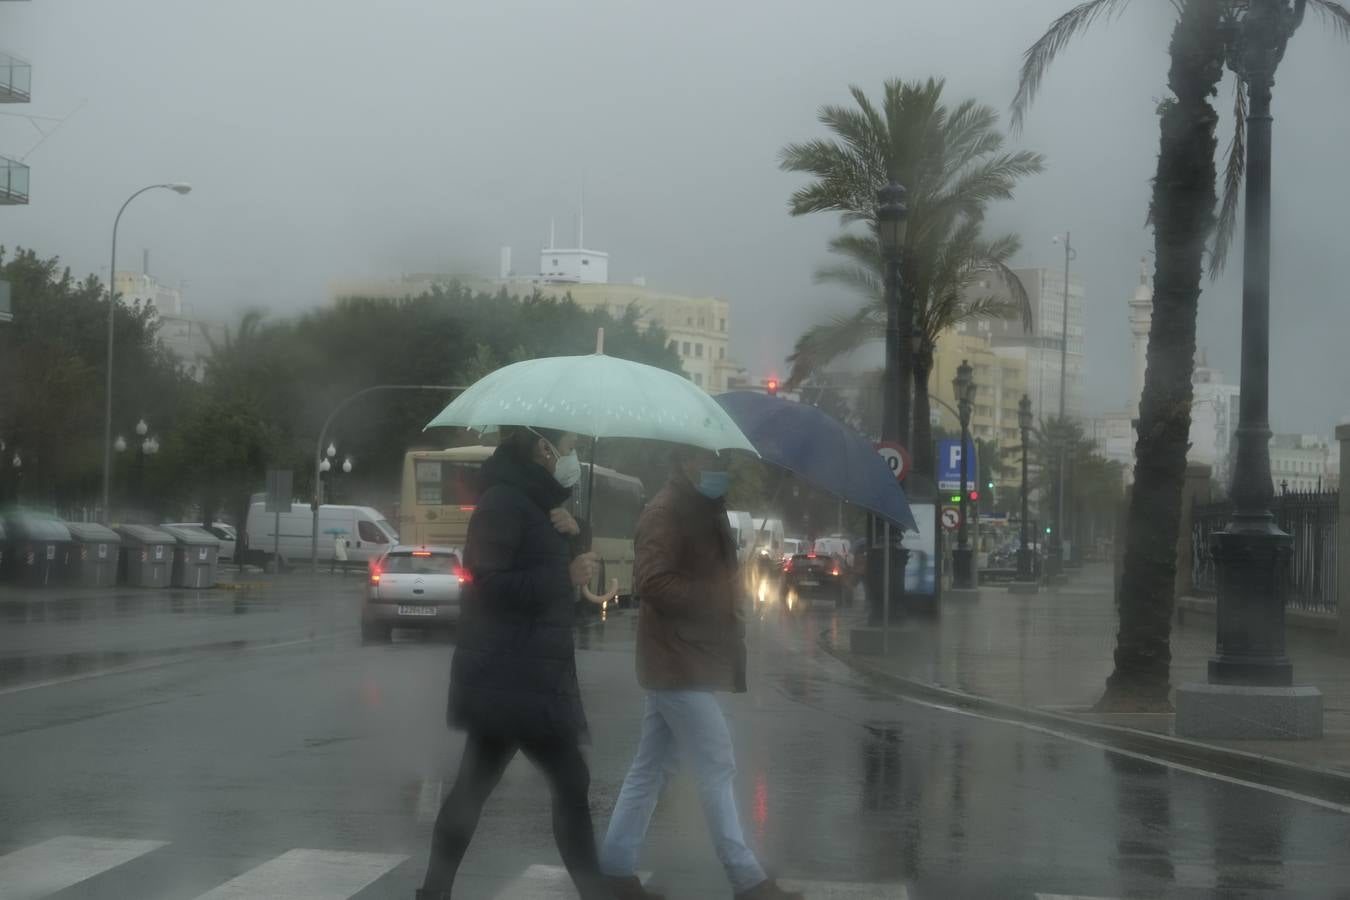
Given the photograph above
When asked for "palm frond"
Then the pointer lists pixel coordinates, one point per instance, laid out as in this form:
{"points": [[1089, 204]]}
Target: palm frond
{"points": [[1019, 300], [865, 281], [1232, 181], [1037, 59], [1334, 14], [837, 336]]}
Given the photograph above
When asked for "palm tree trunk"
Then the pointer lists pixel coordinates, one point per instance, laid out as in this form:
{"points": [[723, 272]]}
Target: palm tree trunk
{"points": [[1184, 201]]}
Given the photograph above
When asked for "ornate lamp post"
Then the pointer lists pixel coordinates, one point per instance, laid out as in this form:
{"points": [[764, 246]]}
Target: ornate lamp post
{"points": [[963, 557], [1250, 693], [1025, 570]]}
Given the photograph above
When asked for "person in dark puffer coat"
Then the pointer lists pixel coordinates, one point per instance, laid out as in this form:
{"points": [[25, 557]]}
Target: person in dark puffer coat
{"points": [[513, 679]]}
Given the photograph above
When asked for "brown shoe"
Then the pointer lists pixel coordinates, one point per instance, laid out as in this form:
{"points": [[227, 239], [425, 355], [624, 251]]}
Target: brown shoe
{"points": [[768, 889], [629, 887]]}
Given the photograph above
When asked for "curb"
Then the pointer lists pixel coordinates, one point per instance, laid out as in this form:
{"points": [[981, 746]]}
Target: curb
{"points": [[1323, 783]]}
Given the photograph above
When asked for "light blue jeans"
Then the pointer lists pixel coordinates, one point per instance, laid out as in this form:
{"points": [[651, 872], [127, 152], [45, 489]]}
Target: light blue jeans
{"points": [[691, 724]]}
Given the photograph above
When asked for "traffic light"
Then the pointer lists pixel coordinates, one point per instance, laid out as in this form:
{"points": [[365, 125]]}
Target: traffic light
{"points": [[1047, 529], [772, 387], [974, 496], [956, 498]]}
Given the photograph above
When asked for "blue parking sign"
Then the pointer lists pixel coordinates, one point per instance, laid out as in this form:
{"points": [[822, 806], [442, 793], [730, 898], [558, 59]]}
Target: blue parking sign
{"points": [[949, 465]]}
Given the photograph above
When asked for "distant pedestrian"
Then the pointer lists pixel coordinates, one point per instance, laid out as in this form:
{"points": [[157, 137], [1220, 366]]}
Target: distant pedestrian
{"points": [[339, 554], [513, 680], [691, 643]]}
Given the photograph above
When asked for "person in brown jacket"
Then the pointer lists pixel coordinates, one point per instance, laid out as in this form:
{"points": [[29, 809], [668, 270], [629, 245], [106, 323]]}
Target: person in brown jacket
{"points": [[691, 644]]}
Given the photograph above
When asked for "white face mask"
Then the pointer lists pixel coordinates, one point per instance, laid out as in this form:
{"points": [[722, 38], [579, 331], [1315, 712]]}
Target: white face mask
{"points": [[567, 470]]}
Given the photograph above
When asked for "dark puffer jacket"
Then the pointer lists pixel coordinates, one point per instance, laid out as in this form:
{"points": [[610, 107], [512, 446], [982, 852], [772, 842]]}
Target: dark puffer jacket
{"points": [[514, 671]]}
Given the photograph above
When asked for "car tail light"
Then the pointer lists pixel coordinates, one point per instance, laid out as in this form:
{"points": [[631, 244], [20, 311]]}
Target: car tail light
{"points": [[375, 574], [787, 566], [811, 555], [834, 571], [421, 553], [463, 575]]}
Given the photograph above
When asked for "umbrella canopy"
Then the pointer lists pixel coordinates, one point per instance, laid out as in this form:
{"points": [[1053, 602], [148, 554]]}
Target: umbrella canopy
{"points": [[598, 396], [821, 450]]}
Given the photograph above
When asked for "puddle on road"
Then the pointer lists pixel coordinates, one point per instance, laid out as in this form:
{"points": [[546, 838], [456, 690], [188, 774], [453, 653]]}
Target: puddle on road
{"points": [[21, 670]]}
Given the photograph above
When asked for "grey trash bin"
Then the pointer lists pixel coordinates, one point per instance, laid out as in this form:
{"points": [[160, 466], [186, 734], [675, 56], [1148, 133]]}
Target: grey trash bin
{"points": [[94, 552], [37, 548], [147, 556], [194, 556]]}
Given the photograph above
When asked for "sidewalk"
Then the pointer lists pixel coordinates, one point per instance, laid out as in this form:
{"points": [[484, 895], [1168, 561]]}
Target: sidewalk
{"points": [[1052, 652]]}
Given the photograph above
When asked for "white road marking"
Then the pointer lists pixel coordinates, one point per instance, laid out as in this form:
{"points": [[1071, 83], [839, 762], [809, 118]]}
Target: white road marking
{"points": [[308, 875], [429, 800], [1069, 897], [56, 864], [843, 890], [545, 883]]}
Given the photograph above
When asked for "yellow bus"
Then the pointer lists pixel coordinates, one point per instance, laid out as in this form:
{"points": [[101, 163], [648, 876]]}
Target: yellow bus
{"points": [[440, 489]]}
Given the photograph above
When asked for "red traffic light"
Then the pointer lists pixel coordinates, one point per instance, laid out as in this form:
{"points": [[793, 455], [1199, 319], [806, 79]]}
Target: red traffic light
{"points": [[974, 496]]}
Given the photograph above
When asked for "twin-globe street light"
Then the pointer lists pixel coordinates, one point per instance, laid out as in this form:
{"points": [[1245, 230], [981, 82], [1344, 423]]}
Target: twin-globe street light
{"points": [[177, 187]]}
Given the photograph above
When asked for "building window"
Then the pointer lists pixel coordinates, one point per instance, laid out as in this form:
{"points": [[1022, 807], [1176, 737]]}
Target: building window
{"points": [[721, 353], [698, 379], [674, 345], [701, 320], [722, 325], [698, 350], [555, 262], [585, 262], [684, 351]]}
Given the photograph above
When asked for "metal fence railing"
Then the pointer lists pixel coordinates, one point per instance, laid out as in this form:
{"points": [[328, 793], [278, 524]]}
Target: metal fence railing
{"points": [[1310, 518]]}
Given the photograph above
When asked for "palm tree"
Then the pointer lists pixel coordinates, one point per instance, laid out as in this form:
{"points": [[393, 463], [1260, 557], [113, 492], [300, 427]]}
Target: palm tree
{"points": [[1183, 213], [953, 164]]}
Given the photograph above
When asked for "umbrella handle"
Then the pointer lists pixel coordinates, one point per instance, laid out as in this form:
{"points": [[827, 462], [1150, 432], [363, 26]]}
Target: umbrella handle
{"points": [[613, 593]]}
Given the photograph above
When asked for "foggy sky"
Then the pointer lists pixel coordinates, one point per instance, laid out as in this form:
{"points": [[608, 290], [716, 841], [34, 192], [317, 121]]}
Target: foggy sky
{"points": [[350, 139]]}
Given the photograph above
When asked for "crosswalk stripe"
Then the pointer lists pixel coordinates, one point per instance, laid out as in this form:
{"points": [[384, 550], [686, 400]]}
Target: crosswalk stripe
{"points": [[843, 890], [308, 875], [545, 883], [56, 864]]}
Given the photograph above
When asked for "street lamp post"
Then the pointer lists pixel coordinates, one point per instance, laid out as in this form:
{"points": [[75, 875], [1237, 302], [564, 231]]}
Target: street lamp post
{"points": [[891, 226], [176, 187], [1057, 544], [1252, 553], [963, 557], [1025, 570]]}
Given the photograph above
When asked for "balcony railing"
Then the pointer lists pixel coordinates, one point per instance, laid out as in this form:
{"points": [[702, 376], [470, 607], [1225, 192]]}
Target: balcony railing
{"points": [[16, 79], [13, 182]]}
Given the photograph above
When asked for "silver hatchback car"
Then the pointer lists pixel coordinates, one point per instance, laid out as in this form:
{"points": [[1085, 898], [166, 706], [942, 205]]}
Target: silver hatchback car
{"points": [[413, 587]]}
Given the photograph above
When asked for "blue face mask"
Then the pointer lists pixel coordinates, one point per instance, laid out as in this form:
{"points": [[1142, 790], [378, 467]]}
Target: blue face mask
{"points": [[713, 485]]}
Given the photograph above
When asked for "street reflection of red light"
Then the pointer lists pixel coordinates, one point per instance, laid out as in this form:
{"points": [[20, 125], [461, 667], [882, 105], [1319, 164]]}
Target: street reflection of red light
{"points": [[761, 806]]}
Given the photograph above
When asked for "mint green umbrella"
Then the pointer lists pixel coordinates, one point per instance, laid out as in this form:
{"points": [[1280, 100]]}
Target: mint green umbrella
{"points": [[597, 396]]}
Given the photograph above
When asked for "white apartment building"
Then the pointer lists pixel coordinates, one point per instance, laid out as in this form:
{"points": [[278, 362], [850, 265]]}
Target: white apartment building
{"points": [[1302, 463], [187, 337]]}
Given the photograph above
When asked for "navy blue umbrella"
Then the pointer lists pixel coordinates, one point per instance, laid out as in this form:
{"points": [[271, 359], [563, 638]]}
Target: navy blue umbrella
{"points": [[821, 450]]}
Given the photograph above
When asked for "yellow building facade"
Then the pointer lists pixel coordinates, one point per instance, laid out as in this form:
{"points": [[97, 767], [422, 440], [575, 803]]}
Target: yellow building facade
{"points": [[1000, 381]]}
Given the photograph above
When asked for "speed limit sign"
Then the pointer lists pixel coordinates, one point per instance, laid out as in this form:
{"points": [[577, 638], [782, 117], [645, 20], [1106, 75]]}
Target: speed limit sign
{"points": [[896, 456]]}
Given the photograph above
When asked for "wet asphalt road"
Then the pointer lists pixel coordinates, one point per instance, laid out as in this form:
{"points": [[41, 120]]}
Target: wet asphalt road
{"points": [[163, 745]]}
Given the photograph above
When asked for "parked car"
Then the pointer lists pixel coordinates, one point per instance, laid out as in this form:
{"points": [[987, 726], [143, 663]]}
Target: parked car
{"points": [[223, 531], [808, 577], [413, 587]]}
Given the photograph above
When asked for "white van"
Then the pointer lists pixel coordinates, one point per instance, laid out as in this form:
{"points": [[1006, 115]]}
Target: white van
{"points": [[364, 530], [769, 538], [743, 530]]}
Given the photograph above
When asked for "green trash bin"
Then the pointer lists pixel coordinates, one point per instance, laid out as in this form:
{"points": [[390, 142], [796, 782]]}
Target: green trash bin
{"points": [[147, 556], [93, 554], [194, 556], [37, 548]]}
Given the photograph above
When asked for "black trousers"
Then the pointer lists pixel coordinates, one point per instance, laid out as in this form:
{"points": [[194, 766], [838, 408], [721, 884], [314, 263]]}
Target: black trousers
{"points": [[484, 761]]}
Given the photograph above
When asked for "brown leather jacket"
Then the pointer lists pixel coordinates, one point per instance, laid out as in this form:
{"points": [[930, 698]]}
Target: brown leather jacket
{"points": [[691, 626]]}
